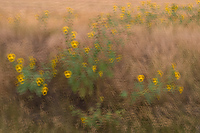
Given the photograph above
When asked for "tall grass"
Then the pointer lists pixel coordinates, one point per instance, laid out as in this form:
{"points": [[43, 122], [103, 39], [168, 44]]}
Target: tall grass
{"points": [[145, 46]]}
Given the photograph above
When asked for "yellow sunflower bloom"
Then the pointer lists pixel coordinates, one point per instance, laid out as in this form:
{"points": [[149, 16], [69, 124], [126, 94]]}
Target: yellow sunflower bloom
{"points": [[114, 7], [128, 5], [20, 78], [174, 65], [100, 73], [37, 16], [17, 83], [45, 85], [111, 60], [68, 74], [123, 9], [44, 92], [180, 89], [11, 57], [65, 29], [160, 73], [83, 120], [87, 50], [177, 75], [32, 59], [155, 81], [96, 61], [113, 31], [46, 11], [44, 88], [54, 72], [121, 16], [94, 25], [169, 87], [10, 20], [84, 64], [142, 3], [19, 68], [53, 63], [74, 54], [119, 58], [32, 65], [91, 34], [70, 10], [20, 61], [74, 44], [101, 98], [39, 81], [69, 50], [74, 33], [182, 17], [97, 46], [94, 68], [140, 78]]}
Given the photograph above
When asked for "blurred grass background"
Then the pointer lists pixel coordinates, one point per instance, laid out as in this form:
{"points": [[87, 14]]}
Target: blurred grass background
{"points": [[147, 53]]}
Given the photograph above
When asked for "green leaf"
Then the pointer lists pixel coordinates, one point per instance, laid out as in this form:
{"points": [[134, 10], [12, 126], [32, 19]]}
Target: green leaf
{"points": [[86, 82], [21, 89], [102, 66], [83, 76], [38, 92], [151, 86], [82, 92], [75, 86], [90, 61], [31, 87], [109, 73], [77, 69], [134, 96], [124, 94], [141, 87], [90, 72], [148, 97]]}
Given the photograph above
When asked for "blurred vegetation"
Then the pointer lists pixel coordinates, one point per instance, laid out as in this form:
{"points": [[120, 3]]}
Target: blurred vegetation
{"points": [[101, 85]]}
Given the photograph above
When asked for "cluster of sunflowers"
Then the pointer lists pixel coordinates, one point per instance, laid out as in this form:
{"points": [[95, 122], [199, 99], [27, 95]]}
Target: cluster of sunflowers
{"points": [[155, 86], [46, 13], [70, 10], [15, 19], [18, 67], [72, 50], [91, 34], [43, 18], [65, 29], [32, 62], [21, 77], [53, 64], [155, 80]]}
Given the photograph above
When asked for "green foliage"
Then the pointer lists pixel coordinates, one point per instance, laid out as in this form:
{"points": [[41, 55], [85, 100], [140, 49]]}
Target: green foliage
{"points": [[124, 94], [95, 118]]}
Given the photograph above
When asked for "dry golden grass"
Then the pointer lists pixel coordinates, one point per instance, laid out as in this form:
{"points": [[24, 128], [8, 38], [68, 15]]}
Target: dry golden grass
{"points": [[144, 53]]}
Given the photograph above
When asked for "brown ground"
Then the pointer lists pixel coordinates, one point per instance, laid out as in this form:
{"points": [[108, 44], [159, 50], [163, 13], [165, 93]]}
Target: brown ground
{"points": [[146, 52]]}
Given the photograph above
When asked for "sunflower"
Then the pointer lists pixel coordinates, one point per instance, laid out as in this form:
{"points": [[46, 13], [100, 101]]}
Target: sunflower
{"points": [[11, 57], [68, 74]]}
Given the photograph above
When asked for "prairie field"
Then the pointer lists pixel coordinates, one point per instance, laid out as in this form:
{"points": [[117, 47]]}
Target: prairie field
{"points": [[99, 66]]}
